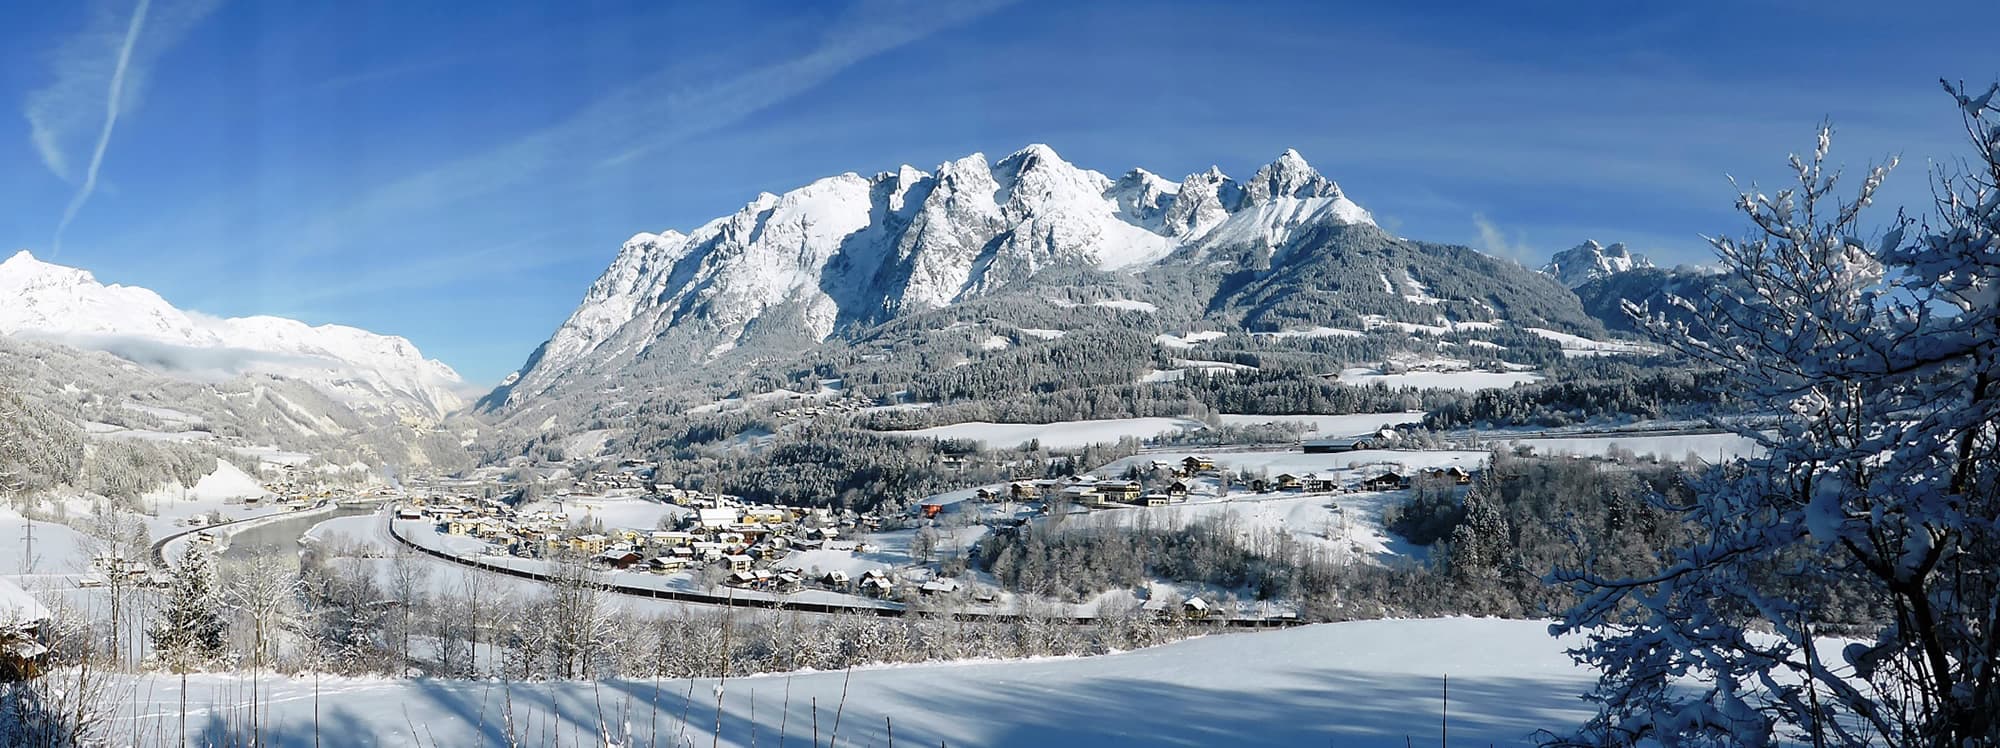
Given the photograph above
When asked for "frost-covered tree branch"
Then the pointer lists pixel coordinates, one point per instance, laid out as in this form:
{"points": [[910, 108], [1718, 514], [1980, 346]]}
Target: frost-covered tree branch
{"points": [[1881, 483]]}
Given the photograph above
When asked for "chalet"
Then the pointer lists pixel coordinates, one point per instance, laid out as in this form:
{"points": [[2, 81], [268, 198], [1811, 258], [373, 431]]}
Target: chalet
{"points": [[1081, 493], [1197, 464], [737, 562], [1454, 474], [1049, 488], [1126, 491], [985, 495], [939, 587], [1388, 481], [716, 517], [1022, 491], [1154, 499], [835, 578], [1259, 485], [1286, 481], [1313, 483], [618, 559], [1195, 607], [878, 586], [1338, 444], [668, 564], [664, 539], [1178, 491], [22, 620]]}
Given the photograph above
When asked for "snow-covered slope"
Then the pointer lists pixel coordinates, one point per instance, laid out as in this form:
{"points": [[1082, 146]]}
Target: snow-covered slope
{"points": [[851, 250], [1367, 683], [366, 370], [1589, 261]]}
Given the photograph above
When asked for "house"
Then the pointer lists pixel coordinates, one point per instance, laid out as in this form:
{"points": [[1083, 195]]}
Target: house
{"points": [[668, 564], [1338, 444], [620, 560], [1387, 481], [409, 512], [835, 578], [589, 545], [1178, 491], [1126, 491], [737, 562], [1154, 499], [1195, 607], [1287, 481], [939, 587], [933, 510], [22, 619], [1453, 474], [715, 517], [1313, 483], [1259, 485], [764, 515], [985, 496], [1197, 464]]}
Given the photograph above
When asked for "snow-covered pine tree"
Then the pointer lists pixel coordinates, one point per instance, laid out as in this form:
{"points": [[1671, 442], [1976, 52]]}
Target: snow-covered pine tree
{"points": [[1881, 483], [188, 632]]}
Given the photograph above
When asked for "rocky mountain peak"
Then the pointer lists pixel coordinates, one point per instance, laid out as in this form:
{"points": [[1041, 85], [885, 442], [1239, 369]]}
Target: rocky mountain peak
{"points": [[1590, 260]]}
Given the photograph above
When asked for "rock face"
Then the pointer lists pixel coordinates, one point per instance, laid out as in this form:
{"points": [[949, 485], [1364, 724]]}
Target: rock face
{"points": [[792, 270], [1589, 261], [367, 371]]}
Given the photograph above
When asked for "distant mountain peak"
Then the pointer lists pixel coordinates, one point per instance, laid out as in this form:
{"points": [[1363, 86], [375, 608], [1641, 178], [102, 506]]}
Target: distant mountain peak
{"points": [[68, 305], [1590, 260], [1290, 176]]}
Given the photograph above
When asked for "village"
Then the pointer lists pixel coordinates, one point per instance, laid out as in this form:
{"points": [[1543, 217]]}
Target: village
{"points": [[624, 524]]}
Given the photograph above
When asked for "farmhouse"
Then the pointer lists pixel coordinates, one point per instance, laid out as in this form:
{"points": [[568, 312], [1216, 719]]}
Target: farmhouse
{"points": [[1196, 464], [1337, 444], [1388, 481], [21, 620], [1119, 490]]}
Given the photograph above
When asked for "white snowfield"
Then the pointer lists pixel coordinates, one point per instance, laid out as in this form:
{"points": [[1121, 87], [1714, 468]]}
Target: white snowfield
{"points": [[1576, 345], [1373, 683], [1710, 447], [1059, 435], [1467, 381]]}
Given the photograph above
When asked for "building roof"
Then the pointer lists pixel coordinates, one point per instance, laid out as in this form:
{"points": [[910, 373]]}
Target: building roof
{"points": [[18, 608]]}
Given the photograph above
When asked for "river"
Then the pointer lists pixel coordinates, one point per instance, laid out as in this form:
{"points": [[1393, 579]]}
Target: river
{"points": [[282, 536]]}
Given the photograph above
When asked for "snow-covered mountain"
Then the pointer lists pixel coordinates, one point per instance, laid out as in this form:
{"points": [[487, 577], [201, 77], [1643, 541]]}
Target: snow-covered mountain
{"points": [[850, 250], [368, 371], [1589, 261]]}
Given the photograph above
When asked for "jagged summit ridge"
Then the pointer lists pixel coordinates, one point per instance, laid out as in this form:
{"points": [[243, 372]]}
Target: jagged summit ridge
{"points": [[1589, 261], [847, 249]]}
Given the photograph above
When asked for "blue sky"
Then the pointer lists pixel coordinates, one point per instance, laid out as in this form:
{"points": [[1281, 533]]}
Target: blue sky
{"points": [[459, 175]]}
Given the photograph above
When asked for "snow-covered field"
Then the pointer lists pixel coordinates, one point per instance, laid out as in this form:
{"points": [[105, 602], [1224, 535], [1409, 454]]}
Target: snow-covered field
{"points": [[1059, 435], [1363, 683], [1072, 434], [1467, 381], [1711, 447], [1576, 345], [1347, 425]]}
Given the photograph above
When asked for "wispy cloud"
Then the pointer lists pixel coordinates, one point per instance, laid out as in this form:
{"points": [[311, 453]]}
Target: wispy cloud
{"points": [[652, 113], [1493, 241], [99, 74]]}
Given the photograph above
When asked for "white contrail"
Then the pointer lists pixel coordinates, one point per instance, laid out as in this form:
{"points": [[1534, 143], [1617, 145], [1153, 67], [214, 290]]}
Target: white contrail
{"points": [[111, 103]]}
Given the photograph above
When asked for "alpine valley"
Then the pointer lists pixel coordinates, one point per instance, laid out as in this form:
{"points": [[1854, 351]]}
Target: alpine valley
{"points": [[992, 285]]}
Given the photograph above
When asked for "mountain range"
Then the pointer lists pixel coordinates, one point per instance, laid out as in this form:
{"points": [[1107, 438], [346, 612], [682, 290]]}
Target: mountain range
{"points": [[844, 255]]}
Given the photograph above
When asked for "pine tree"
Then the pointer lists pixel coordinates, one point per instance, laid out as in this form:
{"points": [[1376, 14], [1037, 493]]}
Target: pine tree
{"points": [[189, 630], [1479, 543]]}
